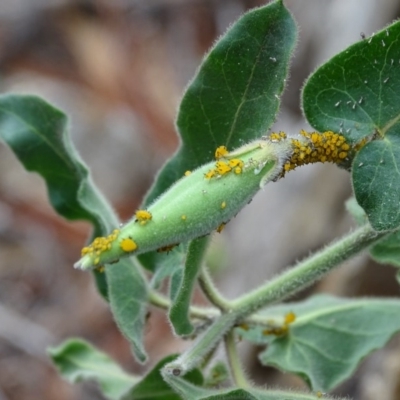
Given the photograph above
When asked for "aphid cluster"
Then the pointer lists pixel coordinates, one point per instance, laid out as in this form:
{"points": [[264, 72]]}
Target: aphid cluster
{"points": [[281, 330], [224, 166], [318, 147], [100, 245]]}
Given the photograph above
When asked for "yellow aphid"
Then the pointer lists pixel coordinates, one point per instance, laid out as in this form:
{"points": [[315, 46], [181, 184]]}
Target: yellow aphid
{"points": [[85, 250], [223, 204], [167, 249], [290, 317], [345, 147], [211, 173], [143, 216], [236, 162], [222, 167], [187, 173], [183, 217], [128, 245], [278, 331], [244, 326], [277, 137], [221, 228], [220, 152]]}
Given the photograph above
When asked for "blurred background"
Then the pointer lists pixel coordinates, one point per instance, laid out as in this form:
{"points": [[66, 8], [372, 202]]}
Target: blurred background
{"points": [[118, 69]]}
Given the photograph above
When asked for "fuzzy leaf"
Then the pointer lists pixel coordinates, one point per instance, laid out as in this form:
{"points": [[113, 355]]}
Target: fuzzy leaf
{"points": [[329, 337], [356, 93], [179, 312], [37, 133], [387, 250], [153, 386], [77, 361], [234, 96], [189, 391]]}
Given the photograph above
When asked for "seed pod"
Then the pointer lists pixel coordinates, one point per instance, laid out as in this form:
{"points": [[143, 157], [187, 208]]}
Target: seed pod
{"points": [[197, 204]]}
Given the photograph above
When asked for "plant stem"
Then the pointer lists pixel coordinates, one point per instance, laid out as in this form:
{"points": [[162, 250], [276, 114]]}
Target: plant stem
{"points": [[211, 292], [160, 301], [307, 272], [283, 286], [238, 374], [202, 346]]}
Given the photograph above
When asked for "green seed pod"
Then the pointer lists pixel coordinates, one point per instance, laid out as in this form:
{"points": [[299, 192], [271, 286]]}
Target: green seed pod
{"points": [[197, 204]]}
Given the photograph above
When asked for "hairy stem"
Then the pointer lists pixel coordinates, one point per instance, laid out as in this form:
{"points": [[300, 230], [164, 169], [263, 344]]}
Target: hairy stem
{"points": [[308, 271], [237, 372], [202, 346], [283, 286], [160, 301], [211, 292]]}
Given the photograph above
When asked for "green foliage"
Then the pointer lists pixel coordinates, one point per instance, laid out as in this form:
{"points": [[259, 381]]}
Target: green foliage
{"points": [[189, 391], [179, 312], [329, 337], [387, 250], [356, 93], [37, 133], [235, 95], [233, 99], [153, 387], [77, 361]]}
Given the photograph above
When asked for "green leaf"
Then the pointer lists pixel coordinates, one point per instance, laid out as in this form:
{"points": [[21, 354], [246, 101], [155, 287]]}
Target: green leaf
{"points": [[234, 96], [387, 250], [153, 386], [37, 133], [189, 391], [329, 337], [356, 93], [356, 211], [128, 299], [217, 374], [179, 312], [77, 360], [173, 261], [376, 180]]}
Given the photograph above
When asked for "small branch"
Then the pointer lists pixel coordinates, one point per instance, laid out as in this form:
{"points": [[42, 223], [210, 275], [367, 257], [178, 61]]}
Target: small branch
{"points": [[237, 372], [211, 292], [160, 301], [308, 271], [202, 346]]}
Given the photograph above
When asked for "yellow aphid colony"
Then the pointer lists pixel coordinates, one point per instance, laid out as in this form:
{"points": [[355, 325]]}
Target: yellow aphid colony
{"points": [[283, 329], [313, 147], [100, 245], [225, 165]]}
